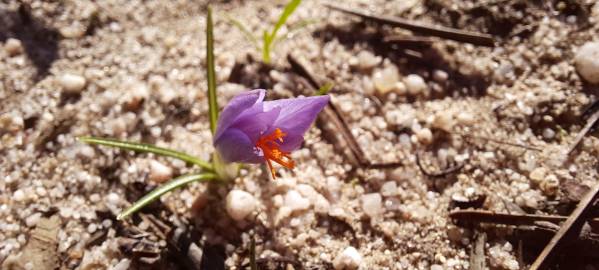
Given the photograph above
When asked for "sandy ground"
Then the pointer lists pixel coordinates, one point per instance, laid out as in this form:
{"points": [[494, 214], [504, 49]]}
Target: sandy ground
{"points": [[134, 70]]}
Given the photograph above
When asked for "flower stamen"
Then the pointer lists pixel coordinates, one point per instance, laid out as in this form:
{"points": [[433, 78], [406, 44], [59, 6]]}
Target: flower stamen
{"points": [[272, 151]]}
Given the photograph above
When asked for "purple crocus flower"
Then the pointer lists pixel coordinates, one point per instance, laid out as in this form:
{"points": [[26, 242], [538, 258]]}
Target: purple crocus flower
{"points": [[252, 130]]}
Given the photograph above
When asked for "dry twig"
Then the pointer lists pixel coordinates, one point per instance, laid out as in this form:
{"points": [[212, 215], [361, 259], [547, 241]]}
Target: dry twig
{"points": [[438, 31], [590, 123], [568, 230]]}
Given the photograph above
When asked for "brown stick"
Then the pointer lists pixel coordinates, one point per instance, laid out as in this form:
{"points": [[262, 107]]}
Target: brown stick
{"points": [[438, 31], [409, 41], [534, 148], [477, 255], [569, 229], [590, 123], [483, 216]]}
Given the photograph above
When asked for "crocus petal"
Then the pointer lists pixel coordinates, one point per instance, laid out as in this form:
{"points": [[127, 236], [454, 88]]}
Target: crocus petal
{"points": [[235, 108], [235, 146], [296, 116], [255, 122]]}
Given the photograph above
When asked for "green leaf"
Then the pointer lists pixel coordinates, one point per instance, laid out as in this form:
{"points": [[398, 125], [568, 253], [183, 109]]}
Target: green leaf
{"points": [[211, 73], [289, 9], [265, 48], [269, 38], [148, 148], [248, 35], [323, 90], [170, 186]]}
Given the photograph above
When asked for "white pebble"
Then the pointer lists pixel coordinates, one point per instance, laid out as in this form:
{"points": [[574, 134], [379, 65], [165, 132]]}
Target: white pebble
{"points": [[372, 204], [122, 265], [538, 175], [18, 196], [440, 75], [436, 267], [13, 46], [444, 121], [32, 220], [160, 172], [415, 84], [385, 80], [465, 118], [548, 133], [367, 60], [113, 199], [425, 136], [349, 259], [389, 188], [240, 204], [295, 201], [587, 61], [72, 83]]}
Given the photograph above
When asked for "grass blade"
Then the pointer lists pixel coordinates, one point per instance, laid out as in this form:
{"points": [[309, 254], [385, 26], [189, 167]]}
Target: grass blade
{"points": [[248, 35], [265, 48], [289, 9], [148, 148], [210, 72], [156, 193], [269, 38]]}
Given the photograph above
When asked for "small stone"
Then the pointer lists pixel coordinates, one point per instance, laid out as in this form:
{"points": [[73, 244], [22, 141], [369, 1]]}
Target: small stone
{"points": [[436, 267], [425, 136], [122, 265], [240, 204], [18, 196], [32, 220], [400, 88], [415, 84], [321, 205], [538, 175], [349, 259], [443, 121], [389, 188], [465, 118], [72, 83], [385, 80], [13, 47], [548, 133], [367, 60], [440, 75], [73, 31], [160, 172], [295, 201], [372, 204], [587, 61], [113, 199]]}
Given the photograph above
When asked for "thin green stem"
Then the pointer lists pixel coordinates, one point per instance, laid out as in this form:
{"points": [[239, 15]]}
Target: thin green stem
{"points": [[148, 148], [210, 73], [170, 186]]}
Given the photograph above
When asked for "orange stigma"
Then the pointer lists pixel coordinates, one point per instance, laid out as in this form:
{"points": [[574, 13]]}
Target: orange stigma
{"points": [[272, 151]]}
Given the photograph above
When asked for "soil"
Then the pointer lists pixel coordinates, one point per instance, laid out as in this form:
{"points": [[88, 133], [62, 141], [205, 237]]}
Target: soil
{"points": [[416, 130]]}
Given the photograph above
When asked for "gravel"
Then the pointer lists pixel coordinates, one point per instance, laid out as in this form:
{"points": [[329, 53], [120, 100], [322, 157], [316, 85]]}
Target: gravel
{"points": [[135, 70]]}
